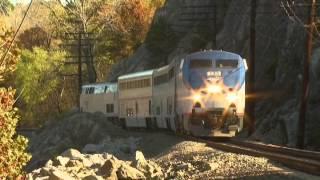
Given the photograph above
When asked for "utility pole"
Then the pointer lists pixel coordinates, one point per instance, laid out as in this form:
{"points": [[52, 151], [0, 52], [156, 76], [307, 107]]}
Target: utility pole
{"points": [[250, 104], [305, 85], [79, 41], [79, 68]]}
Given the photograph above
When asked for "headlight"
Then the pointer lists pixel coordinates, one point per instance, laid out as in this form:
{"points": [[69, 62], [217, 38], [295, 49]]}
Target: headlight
{"points": [[214, 89], [196, 97], [232, 97]]}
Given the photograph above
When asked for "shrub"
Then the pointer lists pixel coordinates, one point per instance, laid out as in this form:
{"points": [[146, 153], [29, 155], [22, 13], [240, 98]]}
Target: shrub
{"points": [[12, 147]]}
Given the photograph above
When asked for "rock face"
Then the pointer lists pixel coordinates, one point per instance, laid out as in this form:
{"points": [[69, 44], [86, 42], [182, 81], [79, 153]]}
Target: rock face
{"points": [[280, 53], [70, 165]]}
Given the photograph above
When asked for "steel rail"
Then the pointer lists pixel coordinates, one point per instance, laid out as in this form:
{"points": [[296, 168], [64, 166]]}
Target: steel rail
{"points": [[314, 155], [286, 156]]}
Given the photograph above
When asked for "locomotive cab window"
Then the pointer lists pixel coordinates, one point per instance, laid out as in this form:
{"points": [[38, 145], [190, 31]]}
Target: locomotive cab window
{"points": [[200, 63], [227, 63]]}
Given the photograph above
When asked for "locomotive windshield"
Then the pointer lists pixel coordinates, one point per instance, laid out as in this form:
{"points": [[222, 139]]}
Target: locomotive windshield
{"points": [[201, 69], [227, 63], [200, 63]]}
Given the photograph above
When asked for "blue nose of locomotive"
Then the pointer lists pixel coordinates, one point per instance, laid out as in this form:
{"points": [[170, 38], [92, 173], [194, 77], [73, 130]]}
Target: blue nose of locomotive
{"points": [[201, 69]]}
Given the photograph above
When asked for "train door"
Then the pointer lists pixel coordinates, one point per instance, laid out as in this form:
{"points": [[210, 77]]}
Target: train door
{"points": [[161, 113]]}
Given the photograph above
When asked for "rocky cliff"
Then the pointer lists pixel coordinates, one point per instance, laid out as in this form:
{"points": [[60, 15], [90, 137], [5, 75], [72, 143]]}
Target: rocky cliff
{"points": [[280, 52]]}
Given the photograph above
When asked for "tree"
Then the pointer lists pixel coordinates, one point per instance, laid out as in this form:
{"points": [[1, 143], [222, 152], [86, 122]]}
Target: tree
{"points": [[5, 6], [120, 27], [7, 64], [13, 156], [79, 17], [12, 147], [33, 37], [38, 76]]}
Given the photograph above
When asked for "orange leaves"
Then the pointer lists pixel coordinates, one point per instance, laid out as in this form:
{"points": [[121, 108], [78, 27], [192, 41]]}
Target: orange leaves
{"points": [[6, 99]]}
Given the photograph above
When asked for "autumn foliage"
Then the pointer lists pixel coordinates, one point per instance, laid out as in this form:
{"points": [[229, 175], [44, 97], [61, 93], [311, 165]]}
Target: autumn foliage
{"points": [[13, 156], [12, 147]]}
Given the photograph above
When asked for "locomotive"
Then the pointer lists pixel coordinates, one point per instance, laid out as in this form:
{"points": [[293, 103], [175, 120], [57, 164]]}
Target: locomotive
{"points": [[202, 94]]}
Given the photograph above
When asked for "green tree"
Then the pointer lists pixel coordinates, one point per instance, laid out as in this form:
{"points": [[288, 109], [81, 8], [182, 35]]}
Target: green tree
{"points": [[38, 76]]}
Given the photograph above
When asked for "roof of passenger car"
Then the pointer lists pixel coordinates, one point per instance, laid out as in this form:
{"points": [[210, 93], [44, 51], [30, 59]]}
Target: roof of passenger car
{"points": [[136, 75]]}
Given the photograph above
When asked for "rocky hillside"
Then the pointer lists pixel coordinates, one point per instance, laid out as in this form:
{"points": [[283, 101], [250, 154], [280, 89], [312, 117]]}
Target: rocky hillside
{"points": [[280, 51]]}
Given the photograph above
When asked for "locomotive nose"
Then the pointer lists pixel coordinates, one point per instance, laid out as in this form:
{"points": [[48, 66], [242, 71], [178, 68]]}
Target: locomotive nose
{"points": [[213, 89]]}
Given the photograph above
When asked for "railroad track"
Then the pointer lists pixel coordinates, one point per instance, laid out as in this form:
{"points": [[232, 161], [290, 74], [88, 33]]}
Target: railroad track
{"points": [[302, 160]]}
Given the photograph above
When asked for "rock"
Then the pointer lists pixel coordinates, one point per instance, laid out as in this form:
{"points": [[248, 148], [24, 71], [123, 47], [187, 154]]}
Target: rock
{"points": [[107, 156], [72, 154], [60, 175], [45, 171], [74, 130], [127, 172], [60, 161], [96, 159], [49, 163], [184, 167], [110, 167], [86, 162], [74, 163], [140, 157], [149, 168], [29, 177], [92, 177], [42, 178]]}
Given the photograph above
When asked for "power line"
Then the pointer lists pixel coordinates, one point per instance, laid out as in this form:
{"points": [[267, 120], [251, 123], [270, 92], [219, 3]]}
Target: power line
{"points": [[15, 34]]}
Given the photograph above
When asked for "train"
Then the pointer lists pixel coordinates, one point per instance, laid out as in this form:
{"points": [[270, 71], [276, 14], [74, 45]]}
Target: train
{"points": [[200, 94]]}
